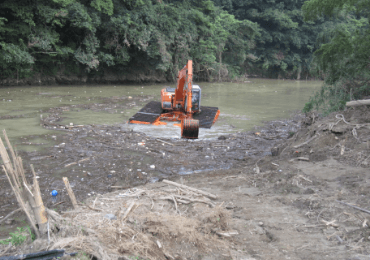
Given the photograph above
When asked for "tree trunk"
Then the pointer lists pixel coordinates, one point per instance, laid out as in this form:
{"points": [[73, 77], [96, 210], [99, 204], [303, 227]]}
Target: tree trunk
{"points": [[219, 70], [299, 72]]}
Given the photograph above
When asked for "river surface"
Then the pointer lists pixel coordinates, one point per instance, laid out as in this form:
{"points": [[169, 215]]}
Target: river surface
{"points": [[242, 105]]}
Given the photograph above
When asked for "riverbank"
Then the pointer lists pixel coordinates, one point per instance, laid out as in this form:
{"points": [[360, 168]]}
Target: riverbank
{"points": [[106, 77], [279, 188], [129, 77]]}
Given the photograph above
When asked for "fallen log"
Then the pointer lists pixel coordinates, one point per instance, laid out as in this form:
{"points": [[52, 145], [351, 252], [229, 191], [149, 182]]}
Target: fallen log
{"points": [[356, 103]]}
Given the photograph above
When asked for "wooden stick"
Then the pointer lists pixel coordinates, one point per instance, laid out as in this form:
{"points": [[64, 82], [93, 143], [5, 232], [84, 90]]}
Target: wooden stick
{"points": [[128, 210], [356, 103], [355, 207], [306, 179], [119, 187], [83, 160], [70, 164], [9, 215], [193, 200], [99, 210], [164, 142], [191, 189], [70, 193], [309, 140], [174, 201], [58, 203], [227, 233]]}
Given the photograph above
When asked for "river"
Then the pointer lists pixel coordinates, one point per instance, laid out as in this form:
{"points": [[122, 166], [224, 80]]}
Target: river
{"points": [[242, 105]]}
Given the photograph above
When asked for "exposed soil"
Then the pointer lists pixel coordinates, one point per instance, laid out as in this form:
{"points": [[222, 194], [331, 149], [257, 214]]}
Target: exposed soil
{"points": [[279, 187]]}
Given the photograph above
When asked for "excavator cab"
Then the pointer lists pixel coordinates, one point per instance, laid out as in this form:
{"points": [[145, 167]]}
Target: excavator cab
{"points": [[195, 98]]}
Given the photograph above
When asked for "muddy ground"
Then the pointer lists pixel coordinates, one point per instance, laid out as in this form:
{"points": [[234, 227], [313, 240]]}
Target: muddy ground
{"points": [[282, 184]]}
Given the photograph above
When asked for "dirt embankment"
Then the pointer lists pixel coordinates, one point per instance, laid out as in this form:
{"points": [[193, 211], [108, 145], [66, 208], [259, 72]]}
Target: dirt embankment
{"points": [[280, 192]]}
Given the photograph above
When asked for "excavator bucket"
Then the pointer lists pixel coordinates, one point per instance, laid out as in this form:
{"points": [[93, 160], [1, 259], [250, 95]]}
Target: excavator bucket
{"points": [[189, 128]]}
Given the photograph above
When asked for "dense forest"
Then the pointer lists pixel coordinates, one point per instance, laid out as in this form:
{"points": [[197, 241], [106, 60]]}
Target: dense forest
{"points": [[150, 40], [343, 56], [225, 38]]}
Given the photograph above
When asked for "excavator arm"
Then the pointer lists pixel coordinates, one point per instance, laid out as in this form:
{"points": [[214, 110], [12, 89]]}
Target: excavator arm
{"points": [[179, 104], [183, 93]]}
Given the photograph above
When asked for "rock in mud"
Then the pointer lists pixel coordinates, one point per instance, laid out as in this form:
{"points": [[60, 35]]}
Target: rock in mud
{"points": [[110, 216]]}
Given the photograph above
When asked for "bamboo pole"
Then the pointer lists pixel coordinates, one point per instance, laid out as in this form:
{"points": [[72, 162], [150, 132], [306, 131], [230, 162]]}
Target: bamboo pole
{"points": [[22, 204], [70, 192], [39, 209], [28, 196]]}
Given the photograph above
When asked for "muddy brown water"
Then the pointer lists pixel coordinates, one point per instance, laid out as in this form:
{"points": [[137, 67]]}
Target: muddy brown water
{"points": [[106, 151], [242, 105]]}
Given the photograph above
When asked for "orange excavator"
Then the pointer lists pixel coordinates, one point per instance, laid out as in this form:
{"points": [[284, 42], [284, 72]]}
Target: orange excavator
{"points": [[180, 104]]}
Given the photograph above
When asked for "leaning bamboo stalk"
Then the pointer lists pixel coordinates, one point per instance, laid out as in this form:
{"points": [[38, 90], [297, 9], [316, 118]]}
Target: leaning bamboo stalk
{"points": [[28, 197], [39, 209], [22, 204], [70, 193], [17, 161], [8, 164]]}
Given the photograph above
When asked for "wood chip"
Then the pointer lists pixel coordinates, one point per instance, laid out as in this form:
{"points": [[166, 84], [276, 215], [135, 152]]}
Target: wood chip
{"points": [[228, 233], [70, 164]]}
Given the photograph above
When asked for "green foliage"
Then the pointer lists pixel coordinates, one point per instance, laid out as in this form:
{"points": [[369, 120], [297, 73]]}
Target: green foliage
{"points": [[104, 6], [224, 38], [19, 236], [286, 43], [344, 54]]}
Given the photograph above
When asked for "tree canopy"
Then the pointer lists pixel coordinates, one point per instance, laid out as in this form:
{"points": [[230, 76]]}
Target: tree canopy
{"points": [[286, 43], [224, 38], [344, 56], [148, 35]]}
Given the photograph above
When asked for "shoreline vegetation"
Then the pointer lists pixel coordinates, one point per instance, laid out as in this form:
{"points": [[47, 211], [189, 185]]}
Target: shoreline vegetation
{"points": [[39, 80], [109, 41]]}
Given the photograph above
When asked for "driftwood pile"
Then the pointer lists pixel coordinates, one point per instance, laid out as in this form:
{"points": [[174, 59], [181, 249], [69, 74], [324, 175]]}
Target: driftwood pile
{"points": [[159, 221], [164, 221]]}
